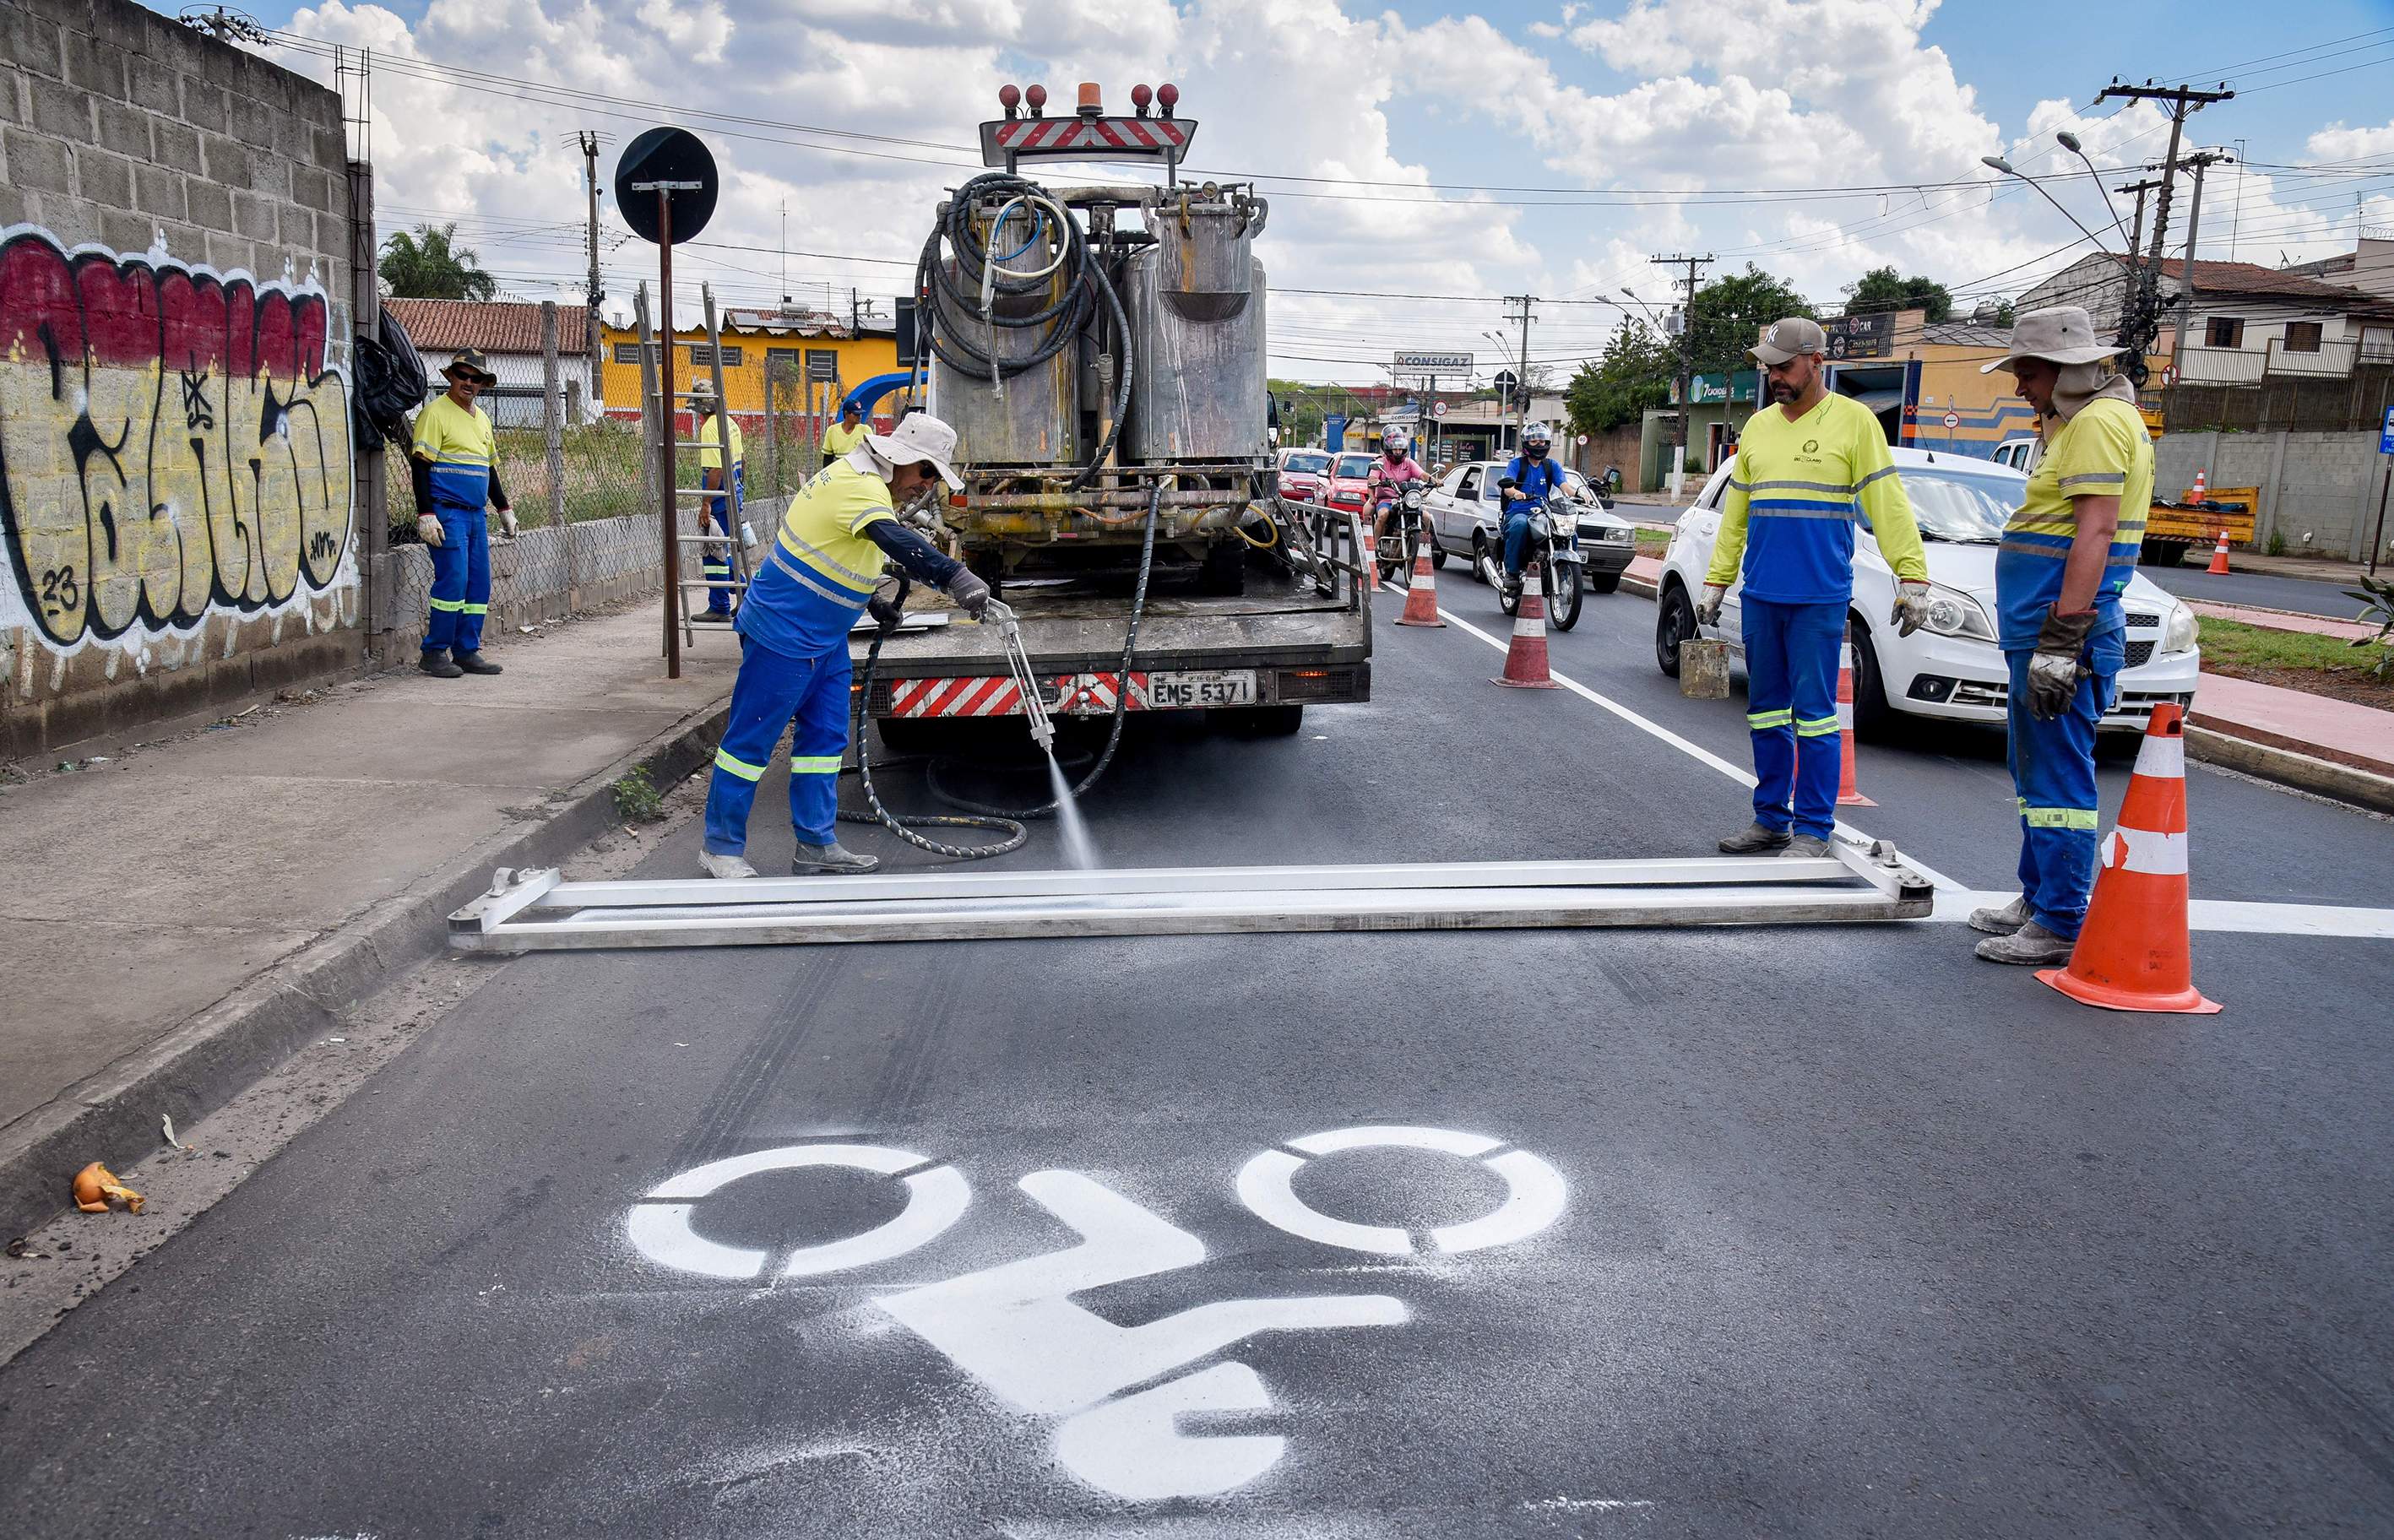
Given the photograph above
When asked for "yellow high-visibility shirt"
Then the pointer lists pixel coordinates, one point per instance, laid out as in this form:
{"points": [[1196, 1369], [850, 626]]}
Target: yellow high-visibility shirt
{"points": [[821, 566], [2103, 452], [711, 456], [842, 438], [1793, 496], [458, 444]]}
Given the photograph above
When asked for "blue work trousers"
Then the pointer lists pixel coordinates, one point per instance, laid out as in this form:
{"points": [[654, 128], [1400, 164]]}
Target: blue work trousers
{"points": [[721, 518], [1517, 538], [2053, 776], [1791, 708], [771, 690], [461, 579]]}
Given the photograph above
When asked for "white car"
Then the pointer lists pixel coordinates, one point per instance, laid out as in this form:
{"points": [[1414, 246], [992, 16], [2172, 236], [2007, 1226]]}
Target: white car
{"points": [[1463, 513], [1950, 668]]}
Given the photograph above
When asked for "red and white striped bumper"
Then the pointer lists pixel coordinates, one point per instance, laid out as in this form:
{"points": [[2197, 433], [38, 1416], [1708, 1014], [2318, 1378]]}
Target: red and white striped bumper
{"points": [[997, 695]]}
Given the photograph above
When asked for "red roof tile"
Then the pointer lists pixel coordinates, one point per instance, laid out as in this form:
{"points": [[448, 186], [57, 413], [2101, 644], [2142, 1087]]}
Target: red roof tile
{"points": [[2251, 278], [496, 326]]}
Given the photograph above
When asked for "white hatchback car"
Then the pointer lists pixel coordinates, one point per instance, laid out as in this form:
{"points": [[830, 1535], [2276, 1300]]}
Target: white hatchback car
{"points": [[1950, 668]]}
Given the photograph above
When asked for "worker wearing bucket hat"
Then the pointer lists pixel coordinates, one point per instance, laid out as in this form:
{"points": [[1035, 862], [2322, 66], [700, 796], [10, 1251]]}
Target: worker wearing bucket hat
{"points": [[818, 576], [722, 515], [454, 468], [2065, 561]]}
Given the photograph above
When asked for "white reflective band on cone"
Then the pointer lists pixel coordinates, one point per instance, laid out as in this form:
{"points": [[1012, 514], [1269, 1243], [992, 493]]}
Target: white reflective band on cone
{"points": [[2164, 758], [1527, 627], [2143, 850], [1845, 715]]}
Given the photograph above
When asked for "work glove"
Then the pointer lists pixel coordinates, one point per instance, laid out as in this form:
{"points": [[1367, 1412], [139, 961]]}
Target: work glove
{"points": [[2054, 669], [1911, 607], [886, 610], [427, 529], [969, 592], [508, 522], [1708, 612]]}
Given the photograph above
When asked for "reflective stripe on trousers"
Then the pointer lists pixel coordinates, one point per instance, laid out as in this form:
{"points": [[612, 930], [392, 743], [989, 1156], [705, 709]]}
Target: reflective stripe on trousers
{"points": [[2053, 780], [461, 579], [772, 692], [1790, 665]]}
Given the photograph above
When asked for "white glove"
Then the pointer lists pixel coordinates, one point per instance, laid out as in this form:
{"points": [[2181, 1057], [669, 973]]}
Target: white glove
{"points": [[1708, 612], [1911, 611], [508, 522], [427, 529]]}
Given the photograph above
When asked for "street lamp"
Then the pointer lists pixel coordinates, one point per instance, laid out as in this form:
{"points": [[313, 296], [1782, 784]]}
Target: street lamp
{"points": [[1998, 164], [2069, 141]]}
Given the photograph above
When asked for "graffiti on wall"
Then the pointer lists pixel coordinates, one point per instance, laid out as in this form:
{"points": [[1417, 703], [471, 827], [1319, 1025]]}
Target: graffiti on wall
{"points": [[173, 444]]}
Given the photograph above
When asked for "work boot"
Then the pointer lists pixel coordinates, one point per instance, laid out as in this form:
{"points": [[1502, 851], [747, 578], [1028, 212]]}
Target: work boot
{"points": [[436, 662], [1753, 839], [834, 858], [2002, 921], [1802, 846], [474, 663], [712, 617], [2032, 945], [725, 866]]}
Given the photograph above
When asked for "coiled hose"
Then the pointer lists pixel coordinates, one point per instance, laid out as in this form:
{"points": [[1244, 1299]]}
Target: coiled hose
{"points": [[976, 815], [1067, 317]]}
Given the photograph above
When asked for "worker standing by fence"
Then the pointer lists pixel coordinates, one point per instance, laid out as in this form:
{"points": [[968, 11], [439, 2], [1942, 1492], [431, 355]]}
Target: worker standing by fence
{"points": [[847, 433], [2065, 561], [456, 473], [722, 515], [1808, 467]]}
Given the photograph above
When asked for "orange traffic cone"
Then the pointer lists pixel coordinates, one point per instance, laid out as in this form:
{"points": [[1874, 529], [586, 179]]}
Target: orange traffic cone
{"points": [[2219, 567], [1421, 600], [1848, 794], [2133, 954], [1370, 556], [2194, 493], [1525, 661]]}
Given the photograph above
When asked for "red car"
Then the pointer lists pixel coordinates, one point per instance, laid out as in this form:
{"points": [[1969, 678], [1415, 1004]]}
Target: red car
{"points": [[1346, 474], [1304, 474]]}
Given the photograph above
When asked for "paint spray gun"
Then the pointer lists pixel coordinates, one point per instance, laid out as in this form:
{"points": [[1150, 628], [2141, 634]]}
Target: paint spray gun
{"points": [[1018, 660]]}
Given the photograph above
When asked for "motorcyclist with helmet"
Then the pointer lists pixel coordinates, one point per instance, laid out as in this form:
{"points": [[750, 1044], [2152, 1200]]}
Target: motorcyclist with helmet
{"points": [[1531, 477], [1389, 473]]}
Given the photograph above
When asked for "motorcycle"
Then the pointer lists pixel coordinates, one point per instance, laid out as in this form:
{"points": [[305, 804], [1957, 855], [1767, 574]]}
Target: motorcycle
{"points": [[1403, 545], [1553, 548]]}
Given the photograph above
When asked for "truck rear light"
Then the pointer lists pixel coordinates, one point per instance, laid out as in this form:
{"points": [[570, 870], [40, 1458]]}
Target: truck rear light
{"points": [[1037, 96], [1316, 684], [1090, 106]]}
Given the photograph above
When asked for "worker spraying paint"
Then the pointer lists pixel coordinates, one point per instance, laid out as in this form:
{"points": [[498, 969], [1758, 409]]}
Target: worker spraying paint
{"points": [[817, 577]]}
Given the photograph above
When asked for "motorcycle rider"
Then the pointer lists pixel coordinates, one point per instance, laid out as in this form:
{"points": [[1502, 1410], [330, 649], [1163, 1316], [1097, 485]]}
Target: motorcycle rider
{"points": [[1535, 478], [1389, 473]]}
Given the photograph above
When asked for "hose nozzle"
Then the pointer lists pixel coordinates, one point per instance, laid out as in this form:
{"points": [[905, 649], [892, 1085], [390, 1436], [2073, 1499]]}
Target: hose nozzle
{"points": [[1017, 661]]}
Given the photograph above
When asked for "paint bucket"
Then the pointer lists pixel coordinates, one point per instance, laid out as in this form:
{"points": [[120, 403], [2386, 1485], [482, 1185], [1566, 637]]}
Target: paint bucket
{"points": [[1704, 670]]}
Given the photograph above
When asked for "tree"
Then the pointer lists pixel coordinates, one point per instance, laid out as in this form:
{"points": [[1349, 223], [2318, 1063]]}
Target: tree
{"points": [[428, 265], [1729, 313], [1632, 377], [1880, 290]]}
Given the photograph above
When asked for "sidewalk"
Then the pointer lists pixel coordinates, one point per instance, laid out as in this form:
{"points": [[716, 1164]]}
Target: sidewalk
{"points": [[2282, 620], [177, 918]]}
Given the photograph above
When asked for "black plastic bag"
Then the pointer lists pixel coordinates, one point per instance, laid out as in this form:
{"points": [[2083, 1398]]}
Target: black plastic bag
{"points": [[390, 384]]}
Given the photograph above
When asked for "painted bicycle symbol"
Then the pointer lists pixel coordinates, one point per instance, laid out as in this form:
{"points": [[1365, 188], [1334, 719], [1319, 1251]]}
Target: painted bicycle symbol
{"points": [[1015, 1328]]}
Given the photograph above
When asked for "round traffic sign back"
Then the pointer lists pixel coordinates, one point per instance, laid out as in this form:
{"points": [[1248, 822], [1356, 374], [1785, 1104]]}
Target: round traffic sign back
{"points": [[679, 159]]}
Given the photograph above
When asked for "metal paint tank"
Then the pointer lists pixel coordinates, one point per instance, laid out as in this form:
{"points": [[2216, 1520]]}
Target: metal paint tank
{"points": [[1035, 418], [1195, 300]]}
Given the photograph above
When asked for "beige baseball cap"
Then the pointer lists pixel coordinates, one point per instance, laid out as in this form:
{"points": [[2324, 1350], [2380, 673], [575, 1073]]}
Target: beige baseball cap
{"points": [[1783, 339]]}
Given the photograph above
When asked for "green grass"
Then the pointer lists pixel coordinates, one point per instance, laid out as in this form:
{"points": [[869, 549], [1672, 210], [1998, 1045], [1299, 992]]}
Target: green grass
{"points": [[2230, 641]]}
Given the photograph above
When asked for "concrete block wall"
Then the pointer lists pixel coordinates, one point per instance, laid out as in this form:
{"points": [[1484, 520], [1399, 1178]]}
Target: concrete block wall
{"points": [[2323, 485], [156, 183]]}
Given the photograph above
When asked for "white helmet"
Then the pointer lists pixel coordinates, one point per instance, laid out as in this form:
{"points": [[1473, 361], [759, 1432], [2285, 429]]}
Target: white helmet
{"points": [[1397, 439], [1536, 433]]}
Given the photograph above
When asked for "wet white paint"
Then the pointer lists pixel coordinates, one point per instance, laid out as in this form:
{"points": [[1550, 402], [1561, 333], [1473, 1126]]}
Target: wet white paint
{"points": [[661, 1230], [1534, 1192]]}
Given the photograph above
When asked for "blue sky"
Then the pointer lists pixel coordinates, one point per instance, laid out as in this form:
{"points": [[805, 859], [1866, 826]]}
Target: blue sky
{"points": [[1404, 116]]}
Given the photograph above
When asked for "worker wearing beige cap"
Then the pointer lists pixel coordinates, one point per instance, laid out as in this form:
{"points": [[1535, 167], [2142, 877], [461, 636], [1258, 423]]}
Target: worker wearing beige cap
{"points": [[818, 576], [1811, 465]]}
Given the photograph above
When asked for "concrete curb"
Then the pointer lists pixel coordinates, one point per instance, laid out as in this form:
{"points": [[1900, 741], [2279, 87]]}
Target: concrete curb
{"points": [[113, 1115], [2289, 768]]}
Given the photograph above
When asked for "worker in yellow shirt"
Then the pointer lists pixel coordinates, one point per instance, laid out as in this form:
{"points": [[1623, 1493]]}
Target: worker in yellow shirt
{"points": [[454, 468], [1808, 467], [722, 515], [847, 433]]}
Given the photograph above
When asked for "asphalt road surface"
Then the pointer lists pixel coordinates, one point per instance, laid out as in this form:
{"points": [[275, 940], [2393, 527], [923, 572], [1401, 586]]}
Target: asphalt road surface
{"points": [[2303, 595], [1831, 1231]]}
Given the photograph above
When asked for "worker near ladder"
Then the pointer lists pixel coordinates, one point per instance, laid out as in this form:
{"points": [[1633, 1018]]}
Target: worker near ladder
{"points": [[1808, 465], [847, 433], [454, 468], [2065, 561], [818, 576], [722, 516]]}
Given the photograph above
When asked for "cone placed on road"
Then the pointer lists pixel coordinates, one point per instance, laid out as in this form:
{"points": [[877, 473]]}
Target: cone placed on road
{"points": [[1370, 550], [1525, 661], [2133, 952], [2219, 567], [1848, 794], [1421, 600]]}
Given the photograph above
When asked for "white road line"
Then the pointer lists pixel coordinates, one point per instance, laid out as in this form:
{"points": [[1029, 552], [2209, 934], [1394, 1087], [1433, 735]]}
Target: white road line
{"points": [[1955, 900]]}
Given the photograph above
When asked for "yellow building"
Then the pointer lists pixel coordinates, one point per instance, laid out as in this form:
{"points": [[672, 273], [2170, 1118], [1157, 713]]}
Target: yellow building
{"points": [[808, 350]]}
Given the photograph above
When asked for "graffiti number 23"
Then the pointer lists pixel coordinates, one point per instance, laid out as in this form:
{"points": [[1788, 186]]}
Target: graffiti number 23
{"points": [[60, 593]]}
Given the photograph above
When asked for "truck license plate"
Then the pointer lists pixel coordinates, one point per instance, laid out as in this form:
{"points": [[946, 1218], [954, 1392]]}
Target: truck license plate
{"points": [[1174, 691]]}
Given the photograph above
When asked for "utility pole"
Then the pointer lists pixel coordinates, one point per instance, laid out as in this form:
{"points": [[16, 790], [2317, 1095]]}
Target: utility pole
{"points": [[1680, 424], [2199, 161], [2144, 321], [1521, 379], [592, 293]]}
